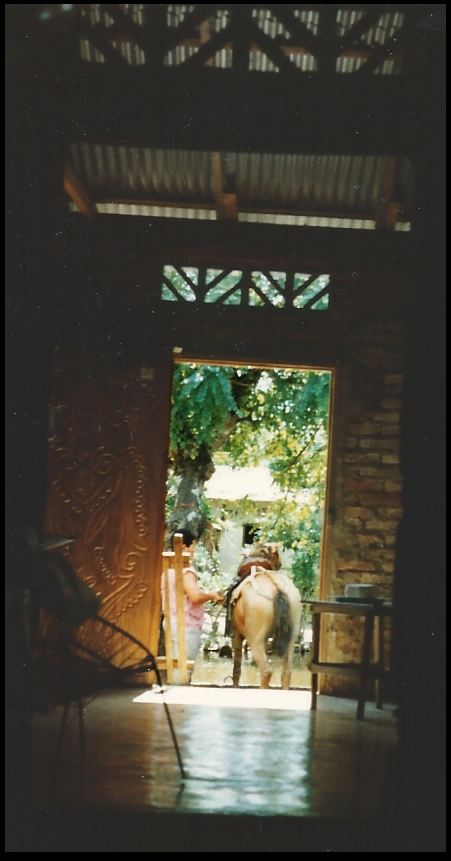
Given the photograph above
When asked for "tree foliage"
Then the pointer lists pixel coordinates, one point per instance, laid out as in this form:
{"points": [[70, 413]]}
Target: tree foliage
{"points": [[203, 411], [252, 414]]}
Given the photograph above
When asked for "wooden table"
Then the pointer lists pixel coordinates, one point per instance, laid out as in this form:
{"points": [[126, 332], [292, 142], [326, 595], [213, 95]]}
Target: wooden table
{"points": [[365, 670]]}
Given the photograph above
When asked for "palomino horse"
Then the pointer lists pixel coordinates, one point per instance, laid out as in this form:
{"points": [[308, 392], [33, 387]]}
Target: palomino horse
{"points": [[264, 604]]}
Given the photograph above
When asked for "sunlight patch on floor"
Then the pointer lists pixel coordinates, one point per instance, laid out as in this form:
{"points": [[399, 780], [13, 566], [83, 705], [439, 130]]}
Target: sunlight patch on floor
{"points": [[242, 698]]}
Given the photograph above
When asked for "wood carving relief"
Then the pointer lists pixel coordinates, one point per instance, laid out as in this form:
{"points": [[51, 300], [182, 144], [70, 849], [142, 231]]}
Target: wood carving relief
{"points": [[100, 469]]}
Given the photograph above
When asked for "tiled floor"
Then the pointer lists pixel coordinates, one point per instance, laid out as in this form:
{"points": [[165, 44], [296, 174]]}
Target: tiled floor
{"points": [[249, 756]]}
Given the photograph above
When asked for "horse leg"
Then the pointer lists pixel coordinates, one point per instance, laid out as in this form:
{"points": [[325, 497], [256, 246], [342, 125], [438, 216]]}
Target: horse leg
{"points": [[261, 659], [237, 646]]}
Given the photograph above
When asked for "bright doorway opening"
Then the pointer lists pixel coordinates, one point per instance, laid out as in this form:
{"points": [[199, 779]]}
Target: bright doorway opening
{"points": [[248, 461]]}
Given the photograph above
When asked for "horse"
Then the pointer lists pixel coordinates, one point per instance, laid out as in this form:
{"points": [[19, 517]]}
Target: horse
{"points": [[264, 604]]}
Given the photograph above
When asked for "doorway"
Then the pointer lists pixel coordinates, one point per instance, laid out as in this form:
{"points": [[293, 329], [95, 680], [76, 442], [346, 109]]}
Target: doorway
{"points": [[248, 461]]}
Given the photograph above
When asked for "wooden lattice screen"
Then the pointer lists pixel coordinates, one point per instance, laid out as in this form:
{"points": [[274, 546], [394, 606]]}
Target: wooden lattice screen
{"points": [[246, 287]]}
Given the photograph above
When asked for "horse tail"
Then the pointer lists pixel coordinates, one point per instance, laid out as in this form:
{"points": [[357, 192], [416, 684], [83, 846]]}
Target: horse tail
{"points": [[283, 628]]}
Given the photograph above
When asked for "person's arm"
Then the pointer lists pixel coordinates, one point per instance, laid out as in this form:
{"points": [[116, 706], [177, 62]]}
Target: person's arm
{"points": [[191, 588]]}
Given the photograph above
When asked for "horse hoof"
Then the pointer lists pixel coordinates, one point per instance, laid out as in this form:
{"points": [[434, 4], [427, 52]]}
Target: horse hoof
{"points": [[265, 681]]}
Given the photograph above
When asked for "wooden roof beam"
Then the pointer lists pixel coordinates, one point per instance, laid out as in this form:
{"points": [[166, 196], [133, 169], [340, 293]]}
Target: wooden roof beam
{"points": [[388, 209], [225, 204], [225, 199], [234, 243], [287, 46], [78, 193], [382, 217], [204, 109]]}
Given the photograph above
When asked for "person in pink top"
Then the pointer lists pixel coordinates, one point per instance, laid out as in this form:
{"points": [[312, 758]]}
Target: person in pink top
{"points": [[195, 598]]}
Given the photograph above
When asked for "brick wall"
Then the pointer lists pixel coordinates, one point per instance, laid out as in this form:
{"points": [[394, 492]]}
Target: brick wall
{"points": [[366, 483]]}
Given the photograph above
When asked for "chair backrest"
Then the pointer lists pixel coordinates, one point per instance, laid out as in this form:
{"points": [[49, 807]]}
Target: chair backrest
{"points": [[68, 671]]}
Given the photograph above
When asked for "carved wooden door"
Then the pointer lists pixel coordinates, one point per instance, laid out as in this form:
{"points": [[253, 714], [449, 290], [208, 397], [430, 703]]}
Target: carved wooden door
{"points": [[106, 487]]}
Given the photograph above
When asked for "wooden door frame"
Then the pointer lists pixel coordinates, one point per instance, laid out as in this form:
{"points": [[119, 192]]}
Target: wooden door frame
{"points": [[326, 551]]}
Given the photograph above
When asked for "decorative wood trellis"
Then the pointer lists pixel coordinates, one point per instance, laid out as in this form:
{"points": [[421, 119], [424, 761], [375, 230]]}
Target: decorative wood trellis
{"points": [[246, 287], [324, 38]]}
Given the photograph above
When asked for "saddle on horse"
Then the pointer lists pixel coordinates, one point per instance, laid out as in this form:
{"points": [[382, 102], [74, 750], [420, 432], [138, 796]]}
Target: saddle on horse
{"points": [[243, 572]]}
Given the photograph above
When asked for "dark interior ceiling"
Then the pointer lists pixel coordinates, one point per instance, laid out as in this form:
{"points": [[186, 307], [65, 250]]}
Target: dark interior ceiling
{"points": [[265, 182], [283, 114]]}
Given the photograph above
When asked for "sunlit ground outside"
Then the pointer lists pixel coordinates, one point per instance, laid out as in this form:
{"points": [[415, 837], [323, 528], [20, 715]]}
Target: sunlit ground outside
{"points": [[211, 684], [243, 698], [210, 669]]}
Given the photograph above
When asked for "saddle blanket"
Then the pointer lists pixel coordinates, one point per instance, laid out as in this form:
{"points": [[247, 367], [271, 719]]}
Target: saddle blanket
{"points": [[255, 571]]}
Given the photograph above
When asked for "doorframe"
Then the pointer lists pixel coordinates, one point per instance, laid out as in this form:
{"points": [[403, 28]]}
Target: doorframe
{"points": [[326, 551]]}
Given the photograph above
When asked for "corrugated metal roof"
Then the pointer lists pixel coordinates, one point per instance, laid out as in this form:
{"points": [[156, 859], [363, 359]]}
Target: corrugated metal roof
{"points": [[313, 183], [142, 174], [154, 211], [268, 187]]}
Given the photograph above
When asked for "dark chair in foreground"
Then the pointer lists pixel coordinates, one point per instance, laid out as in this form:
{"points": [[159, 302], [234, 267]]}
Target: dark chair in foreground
{"points": [[74, 674], [64, 671]]}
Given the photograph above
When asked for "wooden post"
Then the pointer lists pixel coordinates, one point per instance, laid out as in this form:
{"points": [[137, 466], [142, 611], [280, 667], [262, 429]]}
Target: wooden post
{"points": [[167, 619], [180, 605], [316, 628], [379, 641], [365, 664]]}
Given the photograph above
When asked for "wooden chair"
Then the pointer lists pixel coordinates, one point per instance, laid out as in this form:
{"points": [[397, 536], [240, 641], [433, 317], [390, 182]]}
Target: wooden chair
{"points": [[75, 674]]}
